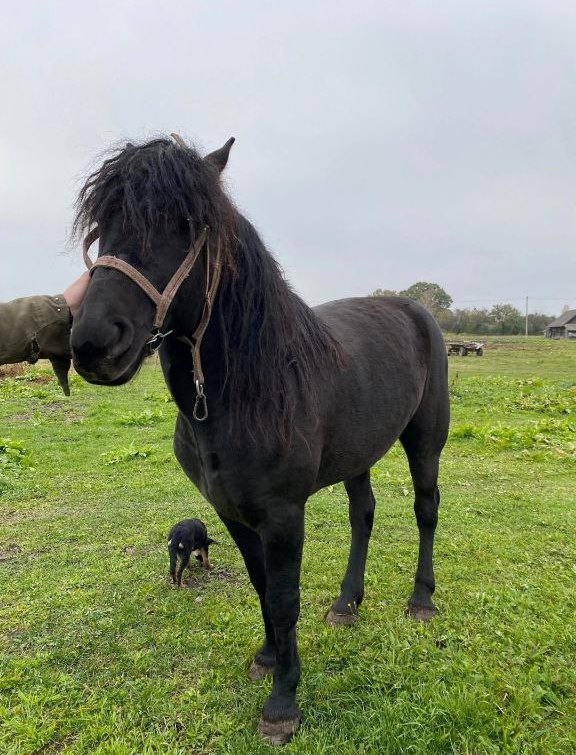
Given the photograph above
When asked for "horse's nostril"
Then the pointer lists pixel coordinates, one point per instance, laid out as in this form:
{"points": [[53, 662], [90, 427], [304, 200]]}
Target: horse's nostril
{"points": [[124, 336], [119, 337]]}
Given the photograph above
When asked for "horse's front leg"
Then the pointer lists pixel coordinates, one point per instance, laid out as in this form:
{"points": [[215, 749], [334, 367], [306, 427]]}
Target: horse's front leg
{"points": [[250, 546], [282, 542]]}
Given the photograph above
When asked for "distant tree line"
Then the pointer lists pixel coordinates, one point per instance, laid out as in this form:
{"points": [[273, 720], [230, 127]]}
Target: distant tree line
{"points": [[501, 319]]}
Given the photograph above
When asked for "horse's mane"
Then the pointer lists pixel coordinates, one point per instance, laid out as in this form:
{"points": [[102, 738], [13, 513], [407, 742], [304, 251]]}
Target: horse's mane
{"points": [[277, 353]]}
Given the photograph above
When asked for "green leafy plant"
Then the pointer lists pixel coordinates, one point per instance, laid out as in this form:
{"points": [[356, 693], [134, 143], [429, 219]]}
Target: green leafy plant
{"points": [[130, 453], [14, 457], [13, 452], [158, 397], [141, 419]]}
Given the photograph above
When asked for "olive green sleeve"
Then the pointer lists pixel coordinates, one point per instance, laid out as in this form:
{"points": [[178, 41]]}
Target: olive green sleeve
{"points": [[34, 327]]}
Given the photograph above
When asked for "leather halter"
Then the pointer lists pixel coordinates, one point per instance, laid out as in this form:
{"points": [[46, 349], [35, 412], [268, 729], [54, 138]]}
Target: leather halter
{"points": [[163, 300]]}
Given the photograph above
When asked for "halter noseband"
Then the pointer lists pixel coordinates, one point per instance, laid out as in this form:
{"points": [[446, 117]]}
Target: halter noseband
{"points": [[163, 300]]}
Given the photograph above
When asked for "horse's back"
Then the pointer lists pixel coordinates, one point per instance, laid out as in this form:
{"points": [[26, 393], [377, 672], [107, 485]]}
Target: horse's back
{"points": [[397, 320], [387, 335]]}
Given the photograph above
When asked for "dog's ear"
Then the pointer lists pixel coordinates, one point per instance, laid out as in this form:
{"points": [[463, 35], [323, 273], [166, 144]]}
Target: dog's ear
{"points": [[212, 542]]}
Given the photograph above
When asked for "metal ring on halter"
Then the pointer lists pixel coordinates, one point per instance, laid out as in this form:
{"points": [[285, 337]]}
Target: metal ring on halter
{"points": [[157, 340], [200, 403]]}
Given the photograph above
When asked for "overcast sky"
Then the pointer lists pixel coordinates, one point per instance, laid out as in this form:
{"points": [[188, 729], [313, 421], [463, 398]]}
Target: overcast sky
{"points": [[378, 143]]}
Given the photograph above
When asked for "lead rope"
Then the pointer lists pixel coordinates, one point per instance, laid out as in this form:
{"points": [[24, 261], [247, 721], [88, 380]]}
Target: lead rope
{"points": [[164, 299]]}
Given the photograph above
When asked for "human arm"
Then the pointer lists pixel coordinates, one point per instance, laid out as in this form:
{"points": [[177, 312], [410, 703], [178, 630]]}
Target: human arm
{"points": [[38, 327]]}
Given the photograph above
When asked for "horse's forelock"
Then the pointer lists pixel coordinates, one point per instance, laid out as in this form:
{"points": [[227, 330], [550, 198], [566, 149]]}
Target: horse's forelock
{"points": [[149, 186]]}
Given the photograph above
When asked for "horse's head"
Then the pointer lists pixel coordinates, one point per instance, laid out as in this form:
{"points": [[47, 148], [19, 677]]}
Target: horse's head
{"points": [[155, 207]]}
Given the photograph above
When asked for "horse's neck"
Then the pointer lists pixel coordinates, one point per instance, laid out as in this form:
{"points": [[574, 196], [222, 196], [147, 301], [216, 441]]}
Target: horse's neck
{"points": [[260, 332]]}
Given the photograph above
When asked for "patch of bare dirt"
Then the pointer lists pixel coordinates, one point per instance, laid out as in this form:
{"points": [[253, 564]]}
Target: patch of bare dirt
{"points": [[11, 551], [53, 406], [41, 379], [12, 370], [52, 748], [21, 418], [140, 550], [200, 576]]}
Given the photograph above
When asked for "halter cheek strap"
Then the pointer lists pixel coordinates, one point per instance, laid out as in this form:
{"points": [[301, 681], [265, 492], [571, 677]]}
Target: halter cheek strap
{"points": [[163, 300]]}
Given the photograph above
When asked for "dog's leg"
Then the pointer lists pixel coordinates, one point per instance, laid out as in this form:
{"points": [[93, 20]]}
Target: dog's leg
{"points": [[184, 560], [173, 559], [205, 560]]}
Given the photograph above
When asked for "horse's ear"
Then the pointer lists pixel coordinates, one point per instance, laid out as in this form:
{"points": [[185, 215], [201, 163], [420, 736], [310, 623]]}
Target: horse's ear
{"points": [[219, 158]]}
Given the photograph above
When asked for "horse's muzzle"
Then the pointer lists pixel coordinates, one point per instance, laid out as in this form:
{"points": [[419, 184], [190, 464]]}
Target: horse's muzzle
{"points": [[107, 354]]}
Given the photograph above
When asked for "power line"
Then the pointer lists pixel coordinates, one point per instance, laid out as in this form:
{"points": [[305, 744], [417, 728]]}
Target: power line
{"points": [[488, 299]]}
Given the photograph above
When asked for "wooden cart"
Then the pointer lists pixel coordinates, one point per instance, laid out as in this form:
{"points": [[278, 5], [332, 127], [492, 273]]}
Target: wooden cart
{"points": [[463, 348]]}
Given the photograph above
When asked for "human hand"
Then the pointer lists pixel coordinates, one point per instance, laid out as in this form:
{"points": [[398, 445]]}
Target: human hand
{"points": [[76, 292]]}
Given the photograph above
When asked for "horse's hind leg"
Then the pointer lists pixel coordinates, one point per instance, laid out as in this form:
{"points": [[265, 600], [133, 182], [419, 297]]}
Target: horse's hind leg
{"points": [[361, 512], [423, 452]]}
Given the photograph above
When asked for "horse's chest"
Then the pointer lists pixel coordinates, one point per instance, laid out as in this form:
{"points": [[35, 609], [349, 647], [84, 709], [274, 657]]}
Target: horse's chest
{"points": [[207, 469]]}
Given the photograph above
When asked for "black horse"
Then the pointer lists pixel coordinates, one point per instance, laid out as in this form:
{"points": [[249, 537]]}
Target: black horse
{"points": [[276, 400]]}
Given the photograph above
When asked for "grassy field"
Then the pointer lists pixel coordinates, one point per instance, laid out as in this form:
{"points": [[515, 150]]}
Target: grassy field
{"points": [[99, 655]]}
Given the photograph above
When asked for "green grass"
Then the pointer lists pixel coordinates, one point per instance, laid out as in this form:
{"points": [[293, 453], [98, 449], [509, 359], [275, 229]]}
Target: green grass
{"points": [[99, 655]]}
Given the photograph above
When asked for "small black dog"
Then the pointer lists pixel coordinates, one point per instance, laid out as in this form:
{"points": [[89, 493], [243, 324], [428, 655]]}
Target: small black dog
{"points": [[185, 539]]}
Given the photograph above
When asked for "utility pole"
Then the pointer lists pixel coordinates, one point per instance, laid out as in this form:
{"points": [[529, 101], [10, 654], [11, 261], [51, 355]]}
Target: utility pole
{"points": [[526, 317]]}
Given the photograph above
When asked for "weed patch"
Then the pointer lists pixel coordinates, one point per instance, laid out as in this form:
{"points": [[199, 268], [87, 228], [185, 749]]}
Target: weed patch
{"points": [[130, 453], [141, 419], [554, 435], [14, 458], [157, 397], [512, 394]]}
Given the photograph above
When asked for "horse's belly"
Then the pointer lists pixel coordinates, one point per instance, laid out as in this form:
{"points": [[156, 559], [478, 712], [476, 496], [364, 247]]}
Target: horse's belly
{"points": [[343, 462], [355, 441]]}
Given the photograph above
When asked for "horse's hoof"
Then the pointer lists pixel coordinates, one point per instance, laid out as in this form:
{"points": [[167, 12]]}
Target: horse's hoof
{"points": [[258, 670], [278, 732], [334, 619], [421, 613]]}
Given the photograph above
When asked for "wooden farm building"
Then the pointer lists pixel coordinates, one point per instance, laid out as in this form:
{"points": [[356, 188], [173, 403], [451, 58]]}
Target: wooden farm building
{"points": [[563, 327]]}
